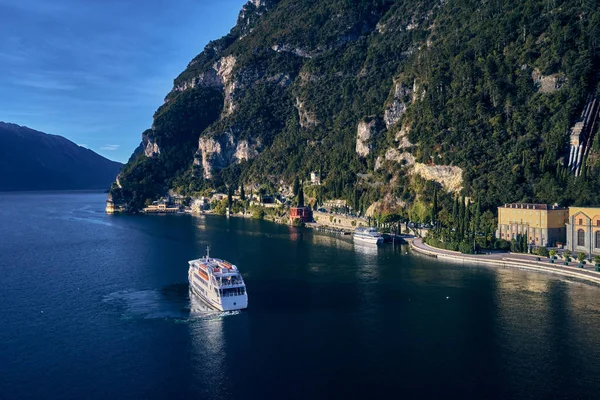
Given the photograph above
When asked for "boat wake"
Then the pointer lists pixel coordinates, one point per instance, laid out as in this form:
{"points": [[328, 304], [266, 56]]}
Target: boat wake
{"points": [[173, 302]]}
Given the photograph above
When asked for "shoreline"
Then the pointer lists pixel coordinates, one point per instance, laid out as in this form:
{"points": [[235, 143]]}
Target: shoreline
{"points": [[506, 260]]}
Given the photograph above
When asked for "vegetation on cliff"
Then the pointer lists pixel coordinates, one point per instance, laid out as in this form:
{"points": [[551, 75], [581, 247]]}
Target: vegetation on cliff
{"points": [[489, 88]]}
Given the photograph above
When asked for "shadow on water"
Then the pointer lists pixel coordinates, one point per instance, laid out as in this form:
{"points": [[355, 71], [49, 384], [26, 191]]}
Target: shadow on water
{"points": [[173, 302]]}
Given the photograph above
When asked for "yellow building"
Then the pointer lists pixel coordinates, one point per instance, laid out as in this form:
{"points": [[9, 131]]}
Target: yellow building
{"points": [[543, 224], [583, 230], [161, 208]]}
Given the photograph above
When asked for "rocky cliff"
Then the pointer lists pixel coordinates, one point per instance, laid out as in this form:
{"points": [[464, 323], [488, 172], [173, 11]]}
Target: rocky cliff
{"points": [[472, 97]]}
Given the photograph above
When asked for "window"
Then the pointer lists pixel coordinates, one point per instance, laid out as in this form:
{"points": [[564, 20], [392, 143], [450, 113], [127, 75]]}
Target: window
{"points": [[598, 223], [580, 221], [598, 239], [580, 237]]}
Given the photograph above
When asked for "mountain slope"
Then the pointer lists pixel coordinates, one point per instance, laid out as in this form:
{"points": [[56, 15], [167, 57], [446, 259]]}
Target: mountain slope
{"points": [[32, 160], [387, 99]]}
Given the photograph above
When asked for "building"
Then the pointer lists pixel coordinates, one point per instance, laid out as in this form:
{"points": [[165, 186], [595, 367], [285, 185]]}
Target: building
{"points": [[303, 214], [315, 178], [199, 205], [583, 230], [543, 224], [161, 208]]}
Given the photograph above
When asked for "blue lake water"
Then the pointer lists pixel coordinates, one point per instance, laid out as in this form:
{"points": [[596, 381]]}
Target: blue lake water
{"points": [[96, 306]]}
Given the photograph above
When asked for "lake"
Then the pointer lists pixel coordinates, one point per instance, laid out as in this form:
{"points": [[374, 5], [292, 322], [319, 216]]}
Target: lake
{"points": [[96, 306]]}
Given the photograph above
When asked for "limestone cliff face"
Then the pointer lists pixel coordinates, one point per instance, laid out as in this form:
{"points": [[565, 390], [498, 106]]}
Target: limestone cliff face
{"points": [[219, 76], [365, 132], [398, 105], [450, 177], [151, 148], [548, 83], [218, 152], [308, 119]]}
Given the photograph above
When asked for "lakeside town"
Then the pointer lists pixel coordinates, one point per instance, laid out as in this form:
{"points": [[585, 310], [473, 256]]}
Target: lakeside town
{"points": [[542, 230]]}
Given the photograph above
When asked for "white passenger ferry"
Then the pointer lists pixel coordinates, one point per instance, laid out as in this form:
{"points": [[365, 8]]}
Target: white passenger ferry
{"points": [[218, 283], [368, 235]]}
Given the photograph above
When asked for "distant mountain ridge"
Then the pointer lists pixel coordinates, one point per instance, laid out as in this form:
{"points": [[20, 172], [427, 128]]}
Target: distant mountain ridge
{"points": [[33, 160]]}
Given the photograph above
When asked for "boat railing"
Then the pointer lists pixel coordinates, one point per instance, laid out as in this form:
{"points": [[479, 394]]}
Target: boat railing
{"points": [[237, 282]]}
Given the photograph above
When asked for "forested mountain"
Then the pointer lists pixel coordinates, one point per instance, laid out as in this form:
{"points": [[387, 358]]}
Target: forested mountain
{"points": [[387, 100], [32, 160]]}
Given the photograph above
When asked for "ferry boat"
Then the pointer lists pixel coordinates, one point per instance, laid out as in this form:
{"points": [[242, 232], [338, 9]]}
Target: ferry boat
{"points": [[217, 282], [368, 235]]}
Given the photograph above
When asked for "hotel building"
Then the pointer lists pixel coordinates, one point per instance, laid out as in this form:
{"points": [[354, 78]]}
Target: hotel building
{"points": [[583, 230], [544, 225]]}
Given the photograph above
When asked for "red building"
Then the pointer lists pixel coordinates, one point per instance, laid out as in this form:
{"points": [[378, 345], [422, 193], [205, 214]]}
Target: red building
{"points": [[304, 214]]}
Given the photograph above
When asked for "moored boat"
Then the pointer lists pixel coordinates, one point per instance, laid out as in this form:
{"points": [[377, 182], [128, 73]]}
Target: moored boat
{"points": [[368, 235]]}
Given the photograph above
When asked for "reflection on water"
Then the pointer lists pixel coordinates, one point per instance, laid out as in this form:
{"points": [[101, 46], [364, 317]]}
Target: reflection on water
{"points": [[366, 249], [208, 348], [508, 281], [333, 241]]}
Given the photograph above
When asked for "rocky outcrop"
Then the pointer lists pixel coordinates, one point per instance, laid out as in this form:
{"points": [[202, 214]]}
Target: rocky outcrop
{"points": [[402, 137], [308, 119], [365, 132], [449, 177], [219, 151], [548, 83], [220, 76], [224, 68], [285, 48], [151, 148], [394, 111], [389, 203], [395, 156]]}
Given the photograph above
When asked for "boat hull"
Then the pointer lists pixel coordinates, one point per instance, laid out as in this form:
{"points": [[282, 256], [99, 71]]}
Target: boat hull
{"points": [[231, 303], [371, 240]]}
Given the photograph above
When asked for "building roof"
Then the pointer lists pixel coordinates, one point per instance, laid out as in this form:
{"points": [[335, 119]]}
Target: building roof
{"points": [[532, 206]]}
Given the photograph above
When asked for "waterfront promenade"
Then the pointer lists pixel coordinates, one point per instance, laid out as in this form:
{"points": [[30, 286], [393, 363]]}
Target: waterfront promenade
{"points": [[510, 260]]}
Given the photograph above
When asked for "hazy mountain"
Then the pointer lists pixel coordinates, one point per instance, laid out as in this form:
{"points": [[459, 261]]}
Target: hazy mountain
{"points": [[33, 160]]}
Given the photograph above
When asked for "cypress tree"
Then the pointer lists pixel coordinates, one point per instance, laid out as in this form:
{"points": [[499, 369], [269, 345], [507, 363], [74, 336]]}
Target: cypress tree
{"points": [[296, 186], [466, 223], [455, 213], [242, 192], [477, 220], [461, 218], [300, 197], [434, 208]]}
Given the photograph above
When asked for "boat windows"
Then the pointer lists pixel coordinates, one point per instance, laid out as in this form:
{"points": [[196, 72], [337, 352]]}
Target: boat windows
{"points": [[238, 291]]}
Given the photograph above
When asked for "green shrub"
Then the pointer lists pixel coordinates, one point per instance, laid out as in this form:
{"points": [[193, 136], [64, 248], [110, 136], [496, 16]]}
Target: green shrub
{"points": [[465, 248], [543, 251]]}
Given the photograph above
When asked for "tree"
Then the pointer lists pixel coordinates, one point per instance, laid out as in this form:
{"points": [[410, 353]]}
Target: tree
{"points": [[553, 253], [466, 222], [434, 208], [300, 197], [581, 257], [229, 196], [296, 186], [242, 192], [597, 259]]}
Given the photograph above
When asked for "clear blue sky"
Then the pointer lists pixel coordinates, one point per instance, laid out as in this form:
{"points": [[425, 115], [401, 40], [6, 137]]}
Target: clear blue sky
{"points": [[95, 71]]}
